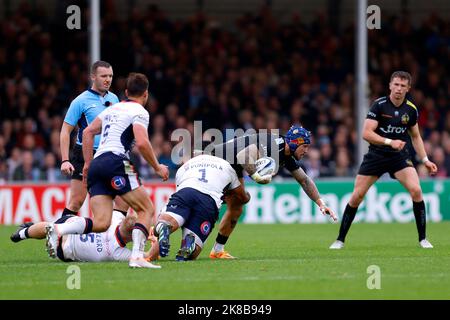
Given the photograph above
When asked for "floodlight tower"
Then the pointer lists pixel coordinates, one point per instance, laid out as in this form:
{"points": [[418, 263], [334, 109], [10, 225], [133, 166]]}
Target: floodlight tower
{"points": [[94, 31], [362, 85]]}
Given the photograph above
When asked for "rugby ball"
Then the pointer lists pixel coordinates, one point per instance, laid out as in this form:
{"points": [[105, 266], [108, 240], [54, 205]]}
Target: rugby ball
{"points": [[266, 165]]}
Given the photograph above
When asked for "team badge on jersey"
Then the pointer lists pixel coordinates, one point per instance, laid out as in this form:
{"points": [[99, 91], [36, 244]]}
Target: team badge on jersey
{"points": [[205, 228], [118, 182], [405, 119]]}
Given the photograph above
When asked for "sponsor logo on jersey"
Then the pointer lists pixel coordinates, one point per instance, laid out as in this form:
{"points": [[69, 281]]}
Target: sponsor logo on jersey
{"points": [[118, 182], [205, 228], [405, 119], [392, 129], [370, 113]]}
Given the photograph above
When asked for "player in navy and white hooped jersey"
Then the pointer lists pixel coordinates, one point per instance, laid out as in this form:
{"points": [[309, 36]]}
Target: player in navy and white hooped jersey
{"points": [[201, 183], [111, 172]]}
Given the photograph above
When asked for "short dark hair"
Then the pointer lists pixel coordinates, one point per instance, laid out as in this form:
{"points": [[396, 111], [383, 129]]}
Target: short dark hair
{"points": [[98, 64], [402, 75], [137, 84]]}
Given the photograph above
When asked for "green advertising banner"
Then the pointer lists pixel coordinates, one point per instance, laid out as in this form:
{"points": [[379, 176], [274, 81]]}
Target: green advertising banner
{"points": [[386, 201]]}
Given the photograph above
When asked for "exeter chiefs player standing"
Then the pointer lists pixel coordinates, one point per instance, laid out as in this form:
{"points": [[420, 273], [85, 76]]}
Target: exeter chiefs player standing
{"points": [[388, 123]]}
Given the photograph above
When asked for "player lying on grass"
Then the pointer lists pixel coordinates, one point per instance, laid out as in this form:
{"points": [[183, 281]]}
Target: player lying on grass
{"points": [[194, 207], [94, 247]]}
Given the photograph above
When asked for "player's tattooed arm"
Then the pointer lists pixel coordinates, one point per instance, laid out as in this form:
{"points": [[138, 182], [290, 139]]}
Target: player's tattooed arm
{"points": [[310, 189], [307, 184]]}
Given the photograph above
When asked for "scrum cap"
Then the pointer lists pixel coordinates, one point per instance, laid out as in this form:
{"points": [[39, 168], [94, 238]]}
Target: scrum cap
{"points": [[296, 136]]}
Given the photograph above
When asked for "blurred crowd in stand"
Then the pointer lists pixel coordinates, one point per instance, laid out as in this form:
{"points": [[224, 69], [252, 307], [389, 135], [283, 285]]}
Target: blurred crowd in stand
{"points": [[258, 73]]}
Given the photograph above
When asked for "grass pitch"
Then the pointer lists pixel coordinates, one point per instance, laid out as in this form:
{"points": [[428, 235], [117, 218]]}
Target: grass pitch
{"points": [[275, 262]]}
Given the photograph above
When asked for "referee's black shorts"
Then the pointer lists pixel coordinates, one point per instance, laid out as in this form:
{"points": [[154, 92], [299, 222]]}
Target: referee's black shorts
{"points": [[376, 163], [77, 160]]}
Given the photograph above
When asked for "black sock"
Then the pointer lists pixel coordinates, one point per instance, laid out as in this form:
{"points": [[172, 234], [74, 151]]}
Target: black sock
{"points": [[421, 218], [89, 225], [67, 212], [347, 219], [26, 233], [221, 239]]}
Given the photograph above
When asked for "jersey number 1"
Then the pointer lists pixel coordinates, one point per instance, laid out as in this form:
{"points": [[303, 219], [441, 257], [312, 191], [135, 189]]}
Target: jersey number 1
{"points": [[202, 179]]}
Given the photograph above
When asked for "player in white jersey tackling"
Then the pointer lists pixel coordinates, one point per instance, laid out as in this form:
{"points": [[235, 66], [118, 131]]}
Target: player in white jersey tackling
{"points": [[92, 247], [111, 172], [200, 185]]}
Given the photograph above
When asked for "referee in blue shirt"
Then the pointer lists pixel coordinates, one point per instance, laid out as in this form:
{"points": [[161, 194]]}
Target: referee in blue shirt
{"points": [[82, 111]]}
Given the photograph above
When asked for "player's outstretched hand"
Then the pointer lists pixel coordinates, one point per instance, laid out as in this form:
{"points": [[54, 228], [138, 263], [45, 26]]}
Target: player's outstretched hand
{"points": [[398, 144], [163, 172], [431, 167], [67, 168], [265, 179], [261, 179], [327, 211]]}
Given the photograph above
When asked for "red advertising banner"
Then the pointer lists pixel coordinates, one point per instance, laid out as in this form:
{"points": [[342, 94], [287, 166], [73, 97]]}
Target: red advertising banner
{"points": [[30, 202]]}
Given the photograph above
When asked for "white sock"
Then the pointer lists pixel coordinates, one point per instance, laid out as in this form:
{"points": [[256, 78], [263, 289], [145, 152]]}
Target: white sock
{"points": [[139, 240], [218, 247], [74, 225]]}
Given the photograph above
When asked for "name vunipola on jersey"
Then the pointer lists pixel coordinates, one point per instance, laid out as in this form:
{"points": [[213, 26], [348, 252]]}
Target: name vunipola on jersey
{"points": [[393, 129], [203, 165]]}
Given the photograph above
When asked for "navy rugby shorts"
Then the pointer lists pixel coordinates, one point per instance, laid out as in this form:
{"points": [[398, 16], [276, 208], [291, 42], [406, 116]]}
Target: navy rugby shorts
{"points": [[198, 210], [110, 174]]}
